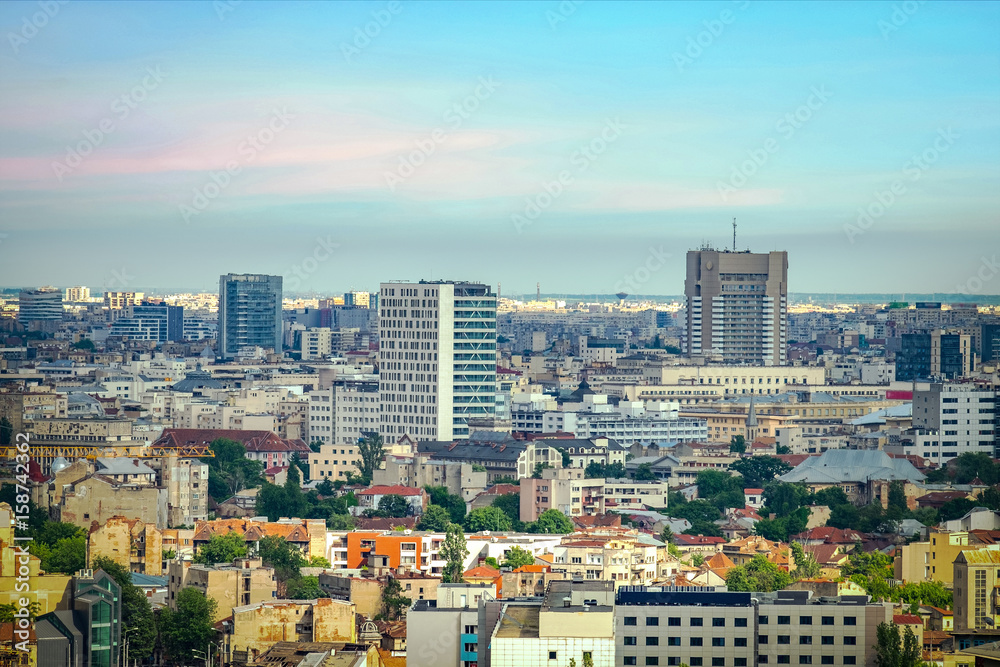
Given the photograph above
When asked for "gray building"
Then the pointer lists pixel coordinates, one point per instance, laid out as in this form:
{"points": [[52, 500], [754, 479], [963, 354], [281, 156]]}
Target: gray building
{"points": [[89, 634], [249, 312], [150, 321], [40, 309]]}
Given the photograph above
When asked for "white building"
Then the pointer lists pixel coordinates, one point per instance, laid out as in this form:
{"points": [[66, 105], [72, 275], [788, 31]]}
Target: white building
{"points": [[437, 358], [951, 419]]}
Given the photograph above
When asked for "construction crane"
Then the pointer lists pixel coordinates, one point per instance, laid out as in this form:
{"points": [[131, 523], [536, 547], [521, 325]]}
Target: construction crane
{"points": [[92, 452]]}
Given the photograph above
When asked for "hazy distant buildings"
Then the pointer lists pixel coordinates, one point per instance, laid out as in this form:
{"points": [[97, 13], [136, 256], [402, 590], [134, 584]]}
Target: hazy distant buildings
{"points": [[737, 306], [121, 300], [249, 312], [437, 358], [40, 309], [76, 294], [151, 321]]}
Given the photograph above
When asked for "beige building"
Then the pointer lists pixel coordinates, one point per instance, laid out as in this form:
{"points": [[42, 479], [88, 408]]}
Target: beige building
{"points": [[131, 543], [31, 406], [977, 579], [934, 559], [563, 489], [79, 496], [186, 482], [625, 560], [245, 582], [50, 591], [459, 478], [76, 438], [257, 627]]}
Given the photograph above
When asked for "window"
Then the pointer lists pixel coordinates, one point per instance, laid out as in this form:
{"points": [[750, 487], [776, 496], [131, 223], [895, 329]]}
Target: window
{"points": [[850, 641], [805, 639], [628, 660], [740, 662], [652, 660], [552, 655], [629, 641], [850, 660], [784, 660], [850, 620], [761, 659], [740, 622], [762, 639], [826, 660], [740, 641], [674, 621], [826, 640], [696, 662], [718, 641], [630, 620], [784, 620], [805, 660], [762, 620], [673, 641], [784, 639], [696, 622], [828, 620], [718, 622], [652, 641], [674, 660], [696, 641], [652, 620], [718, 662], [805, 620]]}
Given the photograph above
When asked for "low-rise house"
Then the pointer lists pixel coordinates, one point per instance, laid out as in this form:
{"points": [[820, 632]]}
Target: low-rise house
{"points": [[260, 626]]}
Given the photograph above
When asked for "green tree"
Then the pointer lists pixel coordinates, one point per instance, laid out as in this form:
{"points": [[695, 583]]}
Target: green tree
{"points": [[478, 468], [714, 482], [68, 555], [567, 462], [759, 470], [435, 519], [6, 431], [896, 649], [781, 529], [188, 628], [509, 504], [453, 551], [518, 557], [487, 518], [551, 522], [667, 535], [230, 471], [326, 487], [594, 470], [222, 548], [644, 472], [697, 560], [393, 600], [453, 503], [971, 465], [318, 561], [394, 505], [271, 501], [492, 562], [284, 557], [831, 497], [84, 344], [737, 445], [782, 449], [316, 446], [340, 522], [759, 575], [371, 449], [304, 588], [137, 613], [806, 566], [783, 499], [539, 467]]}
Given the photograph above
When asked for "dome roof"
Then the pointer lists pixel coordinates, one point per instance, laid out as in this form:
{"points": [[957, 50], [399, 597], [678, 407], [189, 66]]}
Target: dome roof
{"points": [[58, 464], [197, 379]]}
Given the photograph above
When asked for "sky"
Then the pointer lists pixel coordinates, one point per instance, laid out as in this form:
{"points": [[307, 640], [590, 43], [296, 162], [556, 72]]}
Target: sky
{"points": [[585, 146]]}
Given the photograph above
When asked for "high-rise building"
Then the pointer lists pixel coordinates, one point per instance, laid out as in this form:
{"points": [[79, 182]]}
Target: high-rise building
{"points": [[955, 418], [40, 309], [937, 354], [362, 299], [151, 321], [121, 300], [249, 312], [74, 294], [437, 358], [737, 306], [989, 340]]}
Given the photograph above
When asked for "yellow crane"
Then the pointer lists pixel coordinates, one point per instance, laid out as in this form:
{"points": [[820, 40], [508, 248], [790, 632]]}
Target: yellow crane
{"points": [[108, 451]]}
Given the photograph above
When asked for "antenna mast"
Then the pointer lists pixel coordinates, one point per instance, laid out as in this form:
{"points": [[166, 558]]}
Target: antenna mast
{"points": [[734, 234]]}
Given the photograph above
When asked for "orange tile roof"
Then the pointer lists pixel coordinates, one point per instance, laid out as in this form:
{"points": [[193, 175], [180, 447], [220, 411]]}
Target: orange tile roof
{"points": [[907, 619], [481, 572]]}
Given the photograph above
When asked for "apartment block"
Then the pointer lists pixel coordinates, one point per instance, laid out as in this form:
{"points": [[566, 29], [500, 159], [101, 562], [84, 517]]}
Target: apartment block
{"points": [[243, 582], [954, 418], [258, 626], [249, 313]]}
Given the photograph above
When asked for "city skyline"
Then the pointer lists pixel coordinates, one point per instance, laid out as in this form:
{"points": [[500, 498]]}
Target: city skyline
{"points": [[559, 136]]}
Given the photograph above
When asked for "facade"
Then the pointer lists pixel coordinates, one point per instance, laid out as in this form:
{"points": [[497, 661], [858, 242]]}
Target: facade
{"points": [[437, 358], [121, 300], [445, 631], [737, 306], [259, 626], [76, 294], [154, 322], [40, 308], [563, 489], [82, 497], [186, 482], [344, 413], [977, 575], [934, 354], [249, 312], [132, 544], [244, 582], [950, 419], [499, 453], [89, 633], [420, 471]]}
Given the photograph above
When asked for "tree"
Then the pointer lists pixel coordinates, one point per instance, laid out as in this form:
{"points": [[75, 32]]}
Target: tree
{"points": [[394, 505], [318, 561], [737, 445], [326, 487], [697, 560], [759, 470], [316, 446], [137, 613], [759, 575], [780, 529], [895, 649], [644, 472], [782, 449], [230, 471], [371, 449], [284, 557], [188, 628], [304, 588], [393, 600], [539, 467], [783, 499], [435, 519], [453, 551], [832, 497], [970, 465], [271, 501], [6, 431], [487, 518], [806, 566], [551, 522], [713, 482], [667, 535], [518, 557], [222, 548], [84, 344], [567, 461], [509, 504], [68, 555], [453, 503]]}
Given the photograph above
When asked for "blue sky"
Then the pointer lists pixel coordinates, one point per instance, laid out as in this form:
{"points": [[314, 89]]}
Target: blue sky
{"points": [[519, 142]]}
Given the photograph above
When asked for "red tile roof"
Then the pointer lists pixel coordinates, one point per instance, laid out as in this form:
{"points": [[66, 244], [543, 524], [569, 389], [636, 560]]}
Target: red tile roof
{"points": [[481, 572], [830, 535], [254, 441], [697, 540], [753, 492], [907, 619]]}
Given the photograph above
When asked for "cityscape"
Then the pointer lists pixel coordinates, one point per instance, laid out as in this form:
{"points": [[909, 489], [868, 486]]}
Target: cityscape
{"points": [[555, 334]]}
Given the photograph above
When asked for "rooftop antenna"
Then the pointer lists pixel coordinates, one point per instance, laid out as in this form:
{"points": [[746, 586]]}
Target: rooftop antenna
{"points": [[538, 291], [734, 234]]}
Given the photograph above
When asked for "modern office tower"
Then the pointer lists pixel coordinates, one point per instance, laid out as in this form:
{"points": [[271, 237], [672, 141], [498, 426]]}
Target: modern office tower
{"points": [[249, 312], [121, 300], [737, 306], [937, 354], [989, 339], [75, 294], [151, 321], [958, 417], [437, 358], [40, 309]]}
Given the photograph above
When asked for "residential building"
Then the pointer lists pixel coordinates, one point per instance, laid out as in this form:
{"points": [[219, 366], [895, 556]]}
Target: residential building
{"points": [[445, 631], [259, 626], [81, 496], [308, 535], [499, 453], [131, 543], [563, 489], [630, 494], [249, 313], [186, 482], [934, 354], [951, 418], [437, 358], [620, 558], [461, 479], [263, 446], [737, 306], [244, 582], [862, 474], [415, 497], [115, 301], [154, 322], [76, 294]]}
